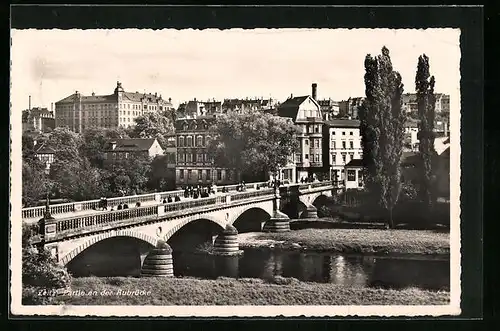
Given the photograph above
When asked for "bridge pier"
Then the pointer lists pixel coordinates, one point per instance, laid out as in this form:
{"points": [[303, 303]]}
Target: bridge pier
{"points": [[226, 242], [279, 222], [159, 262], [311, 212]]}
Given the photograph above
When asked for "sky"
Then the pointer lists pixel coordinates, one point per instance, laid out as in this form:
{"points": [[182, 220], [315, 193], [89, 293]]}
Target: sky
{"points": [[49, 65]]}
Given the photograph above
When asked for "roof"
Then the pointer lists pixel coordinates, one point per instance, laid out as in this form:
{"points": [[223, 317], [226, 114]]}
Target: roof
{"points": [[131, 144], [90, 98], [290, 107], [358, 163], [441, 144], [343, 123], [43, 149]]}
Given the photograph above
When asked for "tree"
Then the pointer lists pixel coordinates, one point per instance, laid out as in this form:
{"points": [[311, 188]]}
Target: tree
{"points": [[77, 180], [129, 176], [426, 102], [66, 144], [153, 125], [94, 143], [35, 184], [382, 129], [254, 143]]}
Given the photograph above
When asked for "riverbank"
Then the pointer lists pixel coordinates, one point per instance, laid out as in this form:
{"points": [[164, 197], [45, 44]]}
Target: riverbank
{"points": [[227, 291], [352, 241]]}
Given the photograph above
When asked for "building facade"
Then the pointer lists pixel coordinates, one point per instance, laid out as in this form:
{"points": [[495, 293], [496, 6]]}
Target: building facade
{"points": [[38, 119], [46, 155], [350, 108], [192, 128], [411, 136], [247, 104], [119, 109], [329, 108], [342, 145], [442, 106], [305, 113], [122, 149]]}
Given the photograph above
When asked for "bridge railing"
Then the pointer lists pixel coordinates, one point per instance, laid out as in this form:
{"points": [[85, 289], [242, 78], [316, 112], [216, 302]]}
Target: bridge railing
{"points": [[70, 224], [38, 212]]}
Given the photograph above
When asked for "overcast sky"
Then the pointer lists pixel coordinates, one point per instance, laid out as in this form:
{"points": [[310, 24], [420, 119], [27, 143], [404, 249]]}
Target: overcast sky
{"points": [[185, 64]]}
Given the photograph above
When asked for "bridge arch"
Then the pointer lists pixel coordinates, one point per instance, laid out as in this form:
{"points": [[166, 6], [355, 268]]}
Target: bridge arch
{"points": [[244, 221], [221, 223], [309, 199], [65, 260]]}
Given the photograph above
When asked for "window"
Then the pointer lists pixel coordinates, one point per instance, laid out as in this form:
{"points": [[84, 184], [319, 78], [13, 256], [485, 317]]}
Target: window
{"points": [[343, 133], [298, 157], [343, 158], [334, 158], [208, 175], [351, 144], [181, 174], [317, 143], [316, 128], [199, 141], [190, 174], [219, 174], [306, 157], [351, 133], [306, 142], [316, 159], [333, 133], [181, 141], [351, 156], [343, 145], [189, 141], [333, 144], [199, 174], [199, 158], [351, 175]]}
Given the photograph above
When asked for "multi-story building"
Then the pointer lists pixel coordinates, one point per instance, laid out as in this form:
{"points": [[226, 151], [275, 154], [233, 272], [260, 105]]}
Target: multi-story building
{"points": [[46, 155], [38, 119], [119, 109], [410, 104], [329, 108], [254, 104], [342, 145], [194, 165], [121, 149], [350, 108], [411, 136], [305, 112]]}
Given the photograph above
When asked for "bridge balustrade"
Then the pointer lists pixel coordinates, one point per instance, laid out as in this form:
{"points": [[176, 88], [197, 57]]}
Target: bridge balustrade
{"points": [[38, 212], [248, 195], [104, 218]]}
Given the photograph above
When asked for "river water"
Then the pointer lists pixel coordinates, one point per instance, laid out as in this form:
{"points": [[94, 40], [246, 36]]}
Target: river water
{"points": [[351, 270]]}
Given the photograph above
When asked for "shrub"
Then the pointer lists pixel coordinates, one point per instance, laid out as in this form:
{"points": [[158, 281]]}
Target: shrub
{"points": [[324, 211], [41, 275]]}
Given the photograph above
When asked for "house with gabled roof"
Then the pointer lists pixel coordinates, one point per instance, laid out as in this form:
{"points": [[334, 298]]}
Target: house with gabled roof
{"points": [[46, 155], [121, 149], [305, 112]]}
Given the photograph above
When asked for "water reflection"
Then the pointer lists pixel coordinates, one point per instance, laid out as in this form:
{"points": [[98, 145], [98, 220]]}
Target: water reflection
{"points": [[364, 271]]}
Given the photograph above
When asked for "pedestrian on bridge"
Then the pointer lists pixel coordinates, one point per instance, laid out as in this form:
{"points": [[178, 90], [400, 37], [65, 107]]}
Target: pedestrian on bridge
{"points": [[170, 199], [164, 201], [137, 204], [120, 207], [125, 206], [177, 198]]}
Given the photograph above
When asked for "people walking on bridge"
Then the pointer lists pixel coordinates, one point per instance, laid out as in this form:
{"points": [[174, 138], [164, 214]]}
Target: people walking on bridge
{"points": [[138, 204], [186, 192], [125, 206], [164, 201], [195, 195], [169, 199], [120, 207], [177, 198]]}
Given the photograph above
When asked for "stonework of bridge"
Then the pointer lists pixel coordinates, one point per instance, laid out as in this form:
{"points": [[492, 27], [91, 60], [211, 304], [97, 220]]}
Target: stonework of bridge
{"points": [[68, 237]]}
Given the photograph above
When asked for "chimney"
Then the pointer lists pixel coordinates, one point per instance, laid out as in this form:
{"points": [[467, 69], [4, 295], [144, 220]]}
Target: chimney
{"points": [[291, 96], [314, 94], [169, 100], [29, 103], [52, 107]]}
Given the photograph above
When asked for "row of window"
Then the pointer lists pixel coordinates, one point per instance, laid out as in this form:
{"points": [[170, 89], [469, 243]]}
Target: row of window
{"points": [[344, 144], [194, 126], [314, 157], [199, 174], [346, 158], [188, 141], [314, 142], [351, 133], [311, 128], [190, 157]]}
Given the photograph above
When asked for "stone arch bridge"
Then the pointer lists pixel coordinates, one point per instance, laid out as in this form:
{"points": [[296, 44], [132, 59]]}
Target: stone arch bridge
{"points": [[69, 237]]}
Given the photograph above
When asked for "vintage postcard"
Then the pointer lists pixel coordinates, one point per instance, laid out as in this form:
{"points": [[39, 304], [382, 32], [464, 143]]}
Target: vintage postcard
{"points": [[257, 172]]}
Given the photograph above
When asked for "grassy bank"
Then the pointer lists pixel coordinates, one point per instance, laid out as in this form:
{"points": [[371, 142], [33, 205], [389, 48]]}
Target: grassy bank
{"points": [[225, 291], [369, 241]]}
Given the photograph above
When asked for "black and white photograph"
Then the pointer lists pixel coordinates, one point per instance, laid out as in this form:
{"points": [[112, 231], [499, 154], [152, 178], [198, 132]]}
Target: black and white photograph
{"points": [[236, 172]]}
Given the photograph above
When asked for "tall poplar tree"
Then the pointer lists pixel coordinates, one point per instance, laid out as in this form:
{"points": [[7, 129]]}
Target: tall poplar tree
{"points": [[426, 102], [382, 129]]}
